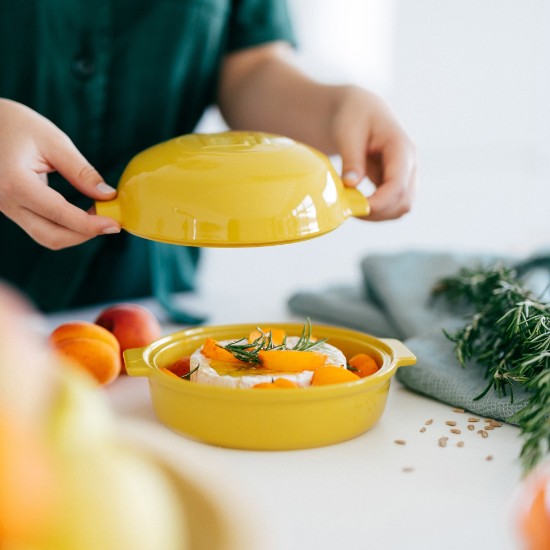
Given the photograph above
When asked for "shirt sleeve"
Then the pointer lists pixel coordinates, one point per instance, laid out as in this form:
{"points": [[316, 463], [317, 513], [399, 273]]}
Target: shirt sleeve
{"points": [[255, 22]]}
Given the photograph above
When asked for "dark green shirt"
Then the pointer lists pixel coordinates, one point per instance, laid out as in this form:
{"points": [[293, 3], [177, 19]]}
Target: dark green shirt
{"points": [[117, 76]]}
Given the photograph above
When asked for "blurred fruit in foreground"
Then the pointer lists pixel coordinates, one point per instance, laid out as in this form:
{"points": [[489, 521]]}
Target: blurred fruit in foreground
{"points": [[66, 481], [134, 326], [90, 346], [534, 522]]}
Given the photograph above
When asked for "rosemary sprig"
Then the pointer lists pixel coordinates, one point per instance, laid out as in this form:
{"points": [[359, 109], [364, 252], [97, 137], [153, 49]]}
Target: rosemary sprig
{"points": [[509, 335], [187, 376], [249, 351]]}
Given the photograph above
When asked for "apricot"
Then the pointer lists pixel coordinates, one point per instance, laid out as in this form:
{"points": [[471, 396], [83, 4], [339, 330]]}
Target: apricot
{"points": [[89, 346], [134, 326], [291, 360], [212, 350], [82, 329], [278, 335], [363, 365], [278, 383], [331, 374], [181, 367]]}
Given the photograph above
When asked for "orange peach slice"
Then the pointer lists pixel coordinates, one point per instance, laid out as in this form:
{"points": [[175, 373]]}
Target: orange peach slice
{"points": [[291, 360], [212, 350], [278, 383], [363, 365], [331, 374], [277, 335]]}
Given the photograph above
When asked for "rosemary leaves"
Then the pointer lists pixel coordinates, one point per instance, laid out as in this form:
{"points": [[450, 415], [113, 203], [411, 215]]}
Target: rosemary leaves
{"points": [[249, 351], [508, 334]]}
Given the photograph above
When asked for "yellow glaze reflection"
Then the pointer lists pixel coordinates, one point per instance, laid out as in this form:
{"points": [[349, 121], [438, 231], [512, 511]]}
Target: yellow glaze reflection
{"points": [[231, 189]]}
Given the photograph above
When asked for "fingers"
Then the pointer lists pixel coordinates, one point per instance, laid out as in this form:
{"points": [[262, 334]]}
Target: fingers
{"points": [[48, 233], [352, 143], [389, 161], [49, 219], [31, 147], [396, 187], [71, 164]]}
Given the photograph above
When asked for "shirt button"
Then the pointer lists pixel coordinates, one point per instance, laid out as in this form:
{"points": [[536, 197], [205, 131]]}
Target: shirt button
{"points": [[83, 66]]}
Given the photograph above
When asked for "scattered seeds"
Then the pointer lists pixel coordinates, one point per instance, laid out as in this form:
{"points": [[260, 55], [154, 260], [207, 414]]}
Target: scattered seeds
{"points": [[471, 427], [408, 469], [423, 429], [495, 423], [428, 422], [450, 423], [484, 434], [489, 457], [455, 431], [400, 442], [442, 442], [457, 410], [460, 444], [488, 427], [473, 419]]}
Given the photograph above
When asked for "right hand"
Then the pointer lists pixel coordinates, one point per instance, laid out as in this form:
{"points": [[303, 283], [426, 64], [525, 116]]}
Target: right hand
{"points": [[30, 148]]}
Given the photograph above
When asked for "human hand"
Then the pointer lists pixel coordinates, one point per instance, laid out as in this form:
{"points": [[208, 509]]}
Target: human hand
{"points": [[30, 148], [372, 143]]}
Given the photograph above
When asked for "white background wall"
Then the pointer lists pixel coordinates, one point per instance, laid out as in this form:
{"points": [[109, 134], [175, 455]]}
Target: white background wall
{"points": [[470, 80]]}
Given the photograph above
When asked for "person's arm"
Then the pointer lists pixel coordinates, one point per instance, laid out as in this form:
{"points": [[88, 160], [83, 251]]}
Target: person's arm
{"points": [[30, 148], [262, 89]]}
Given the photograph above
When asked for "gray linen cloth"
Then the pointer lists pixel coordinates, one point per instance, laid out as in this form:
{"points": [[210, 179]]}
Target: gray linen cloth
{"points": [[395, 300]]}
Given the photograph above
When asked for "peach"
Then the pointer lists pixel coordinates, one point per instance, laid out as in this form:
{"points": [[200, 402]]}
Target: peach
{"points": [[89, 346], [181, 367], [134, 326], [331, 374], [363, 365], [83, 329]]}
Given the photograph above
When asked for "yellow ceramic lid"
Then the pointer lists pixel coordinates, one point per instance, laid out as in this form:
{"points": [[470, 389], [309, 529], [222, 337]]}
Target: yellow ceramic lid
{"points": [[231, 189]]}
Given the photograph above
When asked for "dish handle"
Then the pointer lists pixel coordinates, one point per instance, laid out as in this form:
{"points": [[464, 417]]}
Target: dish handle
{"points": [[403, 355], [135, 363], [357, 202]]}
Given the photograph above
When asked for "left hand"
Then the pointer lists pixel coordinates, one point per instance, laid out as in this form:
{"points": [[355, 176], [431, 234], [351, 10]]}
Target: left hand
{"points": [[372, 143]]}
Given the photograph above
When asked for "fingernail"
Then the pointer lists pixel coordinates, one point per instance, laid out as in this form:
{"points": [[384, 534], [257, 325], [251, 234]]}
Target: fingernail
{"points": [[111, 230], [351, 176], [102, 187]]}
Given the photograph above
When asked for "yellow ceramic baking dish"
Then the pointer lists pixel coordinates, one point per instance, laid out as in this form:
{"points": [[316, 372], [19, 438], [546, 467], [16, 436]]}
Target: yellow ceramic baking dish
{"points": [[268, 419], [231, 189]]}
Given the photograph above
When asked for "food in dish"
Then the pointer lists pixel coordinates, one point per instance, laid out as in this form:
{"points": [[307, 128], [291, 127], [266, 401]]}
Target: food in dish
{"points": [[269, 358]]}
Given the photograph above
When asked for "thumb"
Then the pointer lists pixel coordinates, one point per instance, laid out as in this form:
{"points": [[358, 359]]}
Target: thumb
{"points": [[66, 159]]}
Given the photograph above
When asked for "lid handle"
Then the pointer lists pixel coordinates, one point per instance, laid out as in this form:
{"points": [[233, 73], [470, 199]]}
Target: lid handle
{"points": [[357, 202], [111, 209]]}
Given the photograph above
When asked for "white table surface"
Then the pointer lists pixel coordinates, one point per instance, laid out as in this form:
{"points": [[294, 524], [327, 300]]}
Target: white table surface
{"points": [[365, 493]]}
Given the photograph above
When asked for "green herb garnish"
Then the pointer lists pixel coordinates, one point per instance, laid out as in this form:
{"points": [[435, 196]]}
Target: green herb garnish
{"points": [[248, 351], [509, 335], [188, 375]]}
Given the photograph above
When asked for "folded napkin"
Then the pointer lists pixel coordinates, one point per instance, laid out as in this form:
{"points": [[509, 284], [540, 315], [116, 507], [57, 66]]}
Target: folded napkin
{"points": [[395, 300]]}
